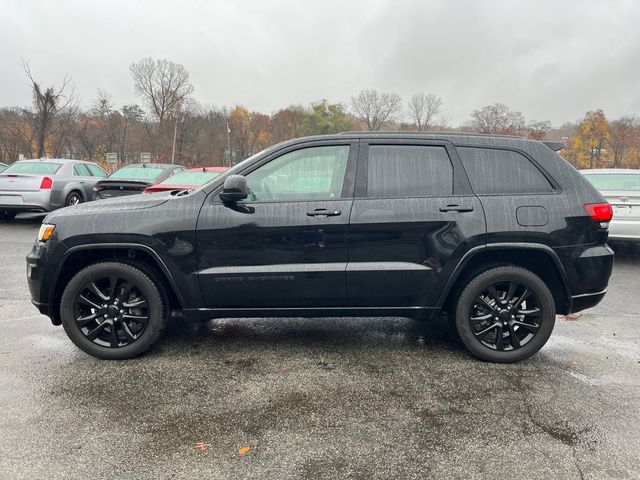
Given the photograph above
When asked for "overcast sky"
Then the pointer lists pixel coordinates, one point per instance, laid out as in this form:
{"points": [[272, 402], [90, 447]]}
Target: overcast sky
{"points": [[552, 60]]}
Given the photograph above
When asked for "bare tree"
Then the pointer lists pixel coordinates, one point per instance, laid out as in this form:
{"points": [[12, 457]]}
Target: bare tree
{"points": [[497, 118], [622, 134], [375, 108], [164, 85], [423, 109], [48, 103]]}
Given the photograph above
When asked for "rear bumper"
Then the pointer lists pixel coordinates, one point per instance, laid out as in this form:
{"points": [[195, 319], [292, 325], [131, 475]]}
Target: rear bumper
{"points": [[37, 201], [586, 300], [588, 270]]}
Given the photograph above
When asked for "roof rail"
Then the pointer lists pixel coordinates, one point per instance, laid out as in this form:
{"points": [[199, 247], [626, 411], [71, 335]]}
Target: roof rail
{"points": [[400, 132], [555, 146]]}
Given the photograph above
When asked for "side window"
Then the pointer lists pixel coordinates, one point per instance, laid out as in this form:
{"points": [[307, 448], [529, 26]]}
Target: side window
{"points": [[493, 171], [408, 171], [315, 173], [177, 170], [96, 171], [79, 170]]}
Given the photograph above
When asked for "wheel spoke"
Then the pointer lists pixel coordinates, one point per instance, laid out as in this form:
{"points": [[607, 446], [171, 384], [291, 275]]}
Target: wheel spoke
{"points": [[513, 337], [83, 321], [86, 301], [532, 312], [113, 285], [526, 294], [481, 318], [483, 333], [127, 290], [113, 338], [93, 334], [499, 338], [128, 333], [494, 294], [484, 301], [134, 304], [512, 289], [533, 328], [98, 292], [136, 318]]}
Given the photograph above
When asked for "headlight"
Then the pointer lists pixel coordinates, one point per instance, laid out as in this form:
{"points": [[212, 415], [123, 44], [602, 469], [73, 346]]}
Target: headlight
{"points": [[46, 230]]}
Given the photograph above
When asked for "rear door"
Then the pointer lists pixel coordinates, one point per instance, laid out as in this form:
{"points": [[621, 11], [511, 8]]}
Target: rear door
{"points": [[413, 217]]}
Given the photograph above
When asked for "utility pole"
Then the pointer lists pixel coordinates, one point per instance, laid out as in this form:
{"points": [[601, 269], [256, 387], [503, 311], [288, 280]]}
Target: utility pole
{"points": [[228, 145], [175, 132]]}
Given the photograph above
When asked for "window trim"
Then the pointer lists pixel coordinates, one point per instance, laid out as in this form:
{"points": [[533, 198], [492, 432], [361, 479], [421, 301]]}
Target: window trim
{"points": [[73, 170], [460, 182], [348, 183], [556, 189], [89, 164]]}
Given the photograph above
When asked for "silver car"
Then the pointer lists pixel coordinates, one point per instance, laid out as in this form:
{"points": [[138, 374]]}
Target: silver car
{"points": [[46, 184], [621, 188]]}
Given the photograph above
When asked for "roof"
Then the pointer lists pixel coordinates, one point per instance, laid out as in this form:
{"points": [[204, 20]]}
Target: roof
{"points": [[51, 160], [157, 165], [208, 169]]}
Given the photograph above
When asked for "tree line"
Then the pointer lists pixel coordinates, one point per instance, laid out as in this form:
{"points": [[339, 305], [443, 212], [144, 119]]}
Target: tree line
{"points": [[172, 126]]}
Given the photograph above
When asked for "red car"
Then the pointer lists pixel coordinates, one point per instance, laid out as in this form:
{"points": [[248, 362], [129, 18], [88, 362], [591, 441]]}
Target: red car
{"points": [[191, 178]]}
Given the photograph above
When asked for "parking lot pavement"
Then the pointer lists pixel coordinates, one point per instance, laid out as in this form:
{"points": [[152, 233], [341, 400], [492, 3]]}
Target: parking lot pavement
{"points": [[321, 398]]}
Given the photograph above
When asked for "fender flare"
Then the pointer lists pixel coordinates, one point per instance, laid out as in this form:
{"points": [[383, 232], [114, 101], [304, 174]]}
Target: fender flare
{"points": [[119, 246], [505, 246]]}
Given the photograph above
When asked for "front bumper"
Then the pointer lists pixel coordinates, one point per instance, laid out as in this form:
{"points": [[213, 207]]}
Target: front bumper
{"points": [[36, 201], [40, 278]]}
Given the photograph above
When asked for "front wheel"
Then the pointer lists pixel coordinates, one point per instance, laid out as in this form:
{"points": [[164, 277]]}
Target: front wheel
{"points": [[505, 314], [113, 310]]}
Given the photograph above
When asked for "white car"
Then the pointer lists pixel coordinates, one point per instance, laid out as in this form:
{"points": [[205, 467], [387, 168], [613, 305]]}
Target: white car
{"points": [[621, 188]]}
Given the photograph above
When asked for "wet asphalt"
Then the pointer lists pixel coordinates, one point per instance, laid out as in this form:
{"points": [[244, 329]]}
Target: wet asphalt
{"points": [[318, 398]]}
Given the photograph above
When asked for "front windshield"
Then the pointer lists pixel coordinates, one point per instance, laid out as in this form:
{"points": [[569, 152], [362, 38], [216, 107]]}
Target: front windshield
{"points": [[190, 178], [136, 173]]}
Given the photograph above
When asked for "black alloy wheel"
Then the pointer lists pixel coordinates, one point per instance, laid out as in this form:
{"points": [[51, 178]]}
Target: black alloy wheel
{"points": [[505, 314], [113, 310]]}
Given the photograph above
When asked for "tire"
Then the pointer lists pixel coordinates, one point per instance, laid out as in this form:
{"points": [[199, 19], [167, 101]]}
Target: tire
{"points": [[7, 215], [497, 327], [133, 334], [74, 198]]}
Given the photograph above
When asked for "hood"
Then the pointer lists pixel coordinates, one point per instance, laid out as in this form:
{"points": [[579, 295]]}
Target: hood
{"points": [[119, 204]]}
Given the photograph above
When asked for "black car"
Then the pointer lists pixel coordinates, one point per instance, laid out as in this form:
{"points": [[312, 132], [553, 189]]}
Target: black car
{"points": [[500, 232], [134, 178]]}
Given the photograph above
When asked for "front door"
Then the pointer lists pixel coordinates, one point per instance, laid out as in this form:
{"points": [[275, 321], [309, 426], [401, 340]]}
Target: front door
{"points": [[412, 219], [285, 246]]}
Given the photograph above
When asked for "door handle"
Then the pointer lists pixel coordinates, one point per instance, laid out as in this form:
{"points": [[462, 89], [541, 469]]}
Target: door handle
{"points": [[323, 213], [457, 208]]}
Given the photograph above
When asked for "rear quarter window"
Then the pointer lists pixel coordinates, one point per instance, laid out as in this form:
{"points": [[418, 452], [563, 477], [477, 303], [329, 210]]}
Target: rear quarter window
{"points": [[493, 171]]}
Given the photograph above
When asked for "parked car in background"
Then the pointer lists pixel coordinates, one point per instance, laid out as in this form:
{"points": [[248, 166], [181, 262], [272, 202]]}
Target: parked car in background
{"points": [[44, 185], [621, 188], [3, 166], [500, 232], [133, 179], [194, 177]]}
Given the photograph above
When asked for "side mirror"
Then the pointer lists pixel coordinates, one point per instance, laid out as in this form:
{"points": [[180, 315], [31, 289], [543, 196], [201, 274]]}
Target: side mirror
{"points": [[234, 188]]}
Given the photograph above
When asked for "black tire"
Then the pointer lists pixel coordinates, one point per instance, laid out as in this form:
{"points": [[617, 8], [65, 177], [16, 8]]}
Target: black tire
{"points": [[7, 215], [132, 337], [74, 198], [525, 329]]}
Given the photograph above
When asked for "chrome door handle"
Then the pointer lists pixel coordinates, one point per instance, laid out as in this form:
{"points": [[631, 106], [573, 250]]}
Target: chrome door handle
{"points": [[323, 213], [457, 208]]}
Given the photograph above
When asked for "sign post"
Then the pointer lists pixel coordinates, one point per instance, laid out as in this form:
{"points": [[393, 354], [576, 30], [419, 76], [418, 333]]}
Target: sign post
{"points": [[145, 157]]}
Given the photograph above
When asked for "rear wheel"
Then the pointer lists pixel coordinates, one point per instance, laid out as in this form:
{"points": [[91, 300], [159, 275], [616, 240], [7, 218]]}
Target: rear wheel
{"points": [[113, 310], [505, 314], [74, 198], [4, 215]]}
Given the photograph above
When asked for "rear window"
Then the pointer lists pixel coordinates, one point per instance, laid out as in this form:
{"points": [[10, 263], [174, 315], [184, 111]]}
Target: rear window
{"points": [[493, 171], [615, 181], [190, 178], [38, 168], [137, 173], [408, 171]]}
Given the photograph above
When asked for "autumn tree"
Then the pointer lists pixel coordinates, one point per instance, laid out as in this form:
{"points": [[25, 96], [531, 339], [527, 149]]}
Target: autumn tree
{"points": [[163, 85], [375, 108], [423, 108], [48, 105], [587, 147]]}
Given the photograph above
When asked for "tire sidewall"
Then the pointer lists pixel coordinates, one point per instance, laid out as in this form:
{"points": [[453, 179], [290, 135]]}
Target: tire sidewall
{"points": [[127, 272], [70, 196], [500, 274]]}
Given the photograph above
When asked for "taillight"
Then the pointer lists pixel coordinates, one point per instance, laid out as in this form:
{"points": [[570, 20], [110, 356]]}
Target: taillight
{"points": [[600, 212], [46, 183]]}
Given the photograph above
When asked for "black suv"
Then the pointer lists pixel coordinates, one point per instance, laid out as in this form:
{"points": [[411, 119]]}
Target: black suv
{"points": [[500, 232]]}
